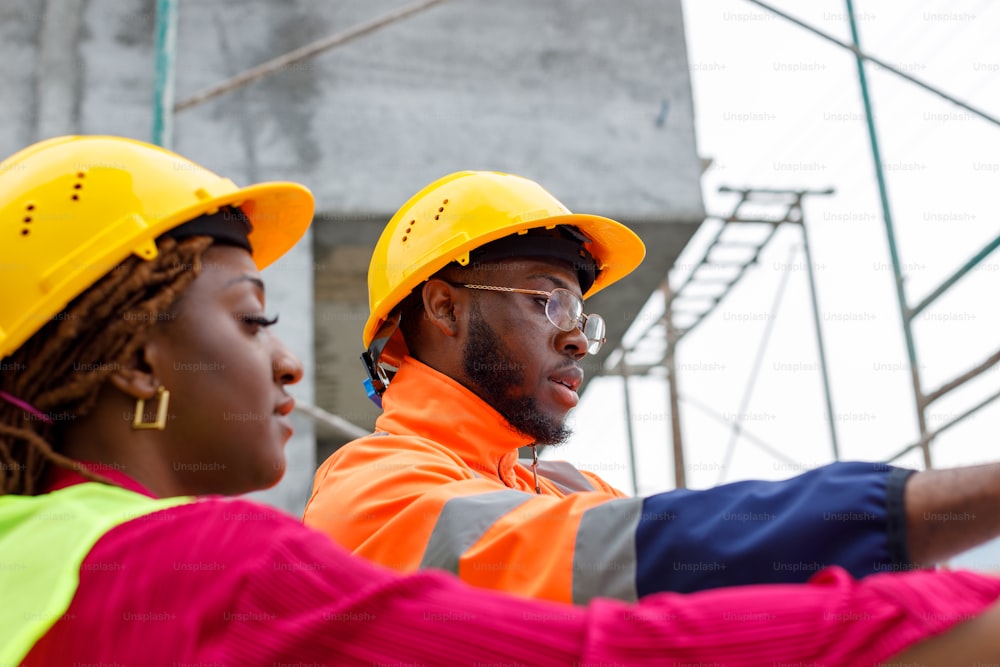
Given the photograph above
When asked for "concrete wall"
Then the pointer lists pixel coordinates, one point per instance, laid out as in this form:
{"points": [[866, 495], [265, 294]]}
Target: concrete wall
{"points": [[590, 97]]}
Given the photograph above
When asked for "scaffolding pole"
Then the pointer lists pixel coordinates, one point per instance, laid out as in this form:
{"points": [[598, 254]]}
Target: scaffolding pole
{"points": [[302, 53], [623, 367], [163, 78], [897, 271], [673, 392], [814, 300]]}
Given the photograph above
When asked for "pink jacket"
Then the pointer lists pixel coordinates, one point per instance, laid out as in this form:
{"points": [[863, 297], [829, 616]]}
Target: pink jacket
{"points": [[230, 582]]}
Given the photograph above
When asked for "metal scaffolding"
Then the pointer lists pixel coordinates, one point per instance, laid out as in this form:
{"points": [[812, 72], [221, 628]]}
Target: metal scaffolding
{"points": [[666, 328], [922, 399], [711, 280]]}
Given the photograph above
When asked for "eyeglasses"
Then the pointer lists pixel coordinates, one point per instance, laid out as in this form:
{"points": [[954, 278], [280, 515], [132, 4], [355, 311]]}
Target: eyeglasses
{"points": [[564, 310]]}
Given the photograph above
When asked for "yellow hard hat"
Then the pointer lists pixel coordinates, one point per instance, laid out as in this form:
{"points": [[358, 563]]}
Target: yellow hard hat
{"points": [[71, 208], [463, 211]]}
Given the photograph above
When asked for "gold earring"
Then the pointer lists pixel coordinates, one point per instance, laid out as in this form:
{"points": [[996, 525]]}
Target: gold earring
{"points": [[161, 411]]}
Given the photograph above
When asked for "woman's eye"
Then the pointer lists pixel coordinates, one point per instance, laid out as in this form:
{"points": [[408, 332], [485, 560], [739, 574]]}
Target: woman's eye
{"points": [[259, 321], [541, 301]]}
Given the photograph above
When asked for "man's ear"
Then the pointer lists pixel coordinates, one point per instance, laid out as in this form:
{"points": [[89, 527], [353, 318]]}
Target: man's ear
{"points": [[137, 376], [442, 306]]}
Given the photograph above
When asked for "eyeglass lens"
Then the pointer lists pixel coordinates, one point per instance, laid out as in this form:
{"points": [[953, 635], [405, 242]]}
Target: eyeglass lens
{"points": [[565, 309]]}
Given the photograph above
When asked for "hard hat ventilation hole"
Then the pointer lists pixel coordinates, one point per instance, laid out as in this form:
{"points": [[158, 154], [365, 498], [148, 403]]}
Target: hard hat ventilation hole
{"points": [[409, 228], [78, 186], [25, 232], [27, 219], [29, 207]]}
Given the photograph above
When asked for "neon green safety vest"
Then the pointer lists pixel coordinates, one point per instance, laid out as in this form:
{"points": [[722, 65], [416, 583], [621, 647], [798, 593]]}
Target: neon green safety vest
{"points": [[43, 542]]}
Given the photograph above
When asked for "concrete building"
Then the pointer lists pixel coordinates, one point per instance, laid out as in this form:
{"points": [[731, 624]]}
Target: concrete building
{"points": [[591, 98]]}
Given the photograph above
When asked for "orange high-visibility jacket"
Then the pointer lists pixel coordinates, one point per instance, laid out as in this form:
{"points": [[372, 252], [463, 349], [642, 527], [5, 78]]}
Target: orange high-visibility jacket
{"points": [[456, 498], [439, 485]]}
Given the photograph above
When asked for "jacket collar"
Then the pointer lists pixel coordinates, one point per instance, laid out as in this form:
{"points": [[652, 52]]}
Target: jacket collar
{"points": [[423, 402]]}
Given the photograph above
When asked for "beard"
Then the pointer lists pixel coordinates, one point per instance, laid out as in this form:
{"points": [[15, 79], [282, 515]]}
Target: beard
{"points": [[496, 376]]}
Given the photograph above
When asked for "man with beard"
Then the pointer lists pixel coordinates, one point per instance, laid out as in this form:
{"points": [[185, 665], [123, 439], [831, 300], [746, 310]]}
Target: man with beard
{"points": [[476, 289]]}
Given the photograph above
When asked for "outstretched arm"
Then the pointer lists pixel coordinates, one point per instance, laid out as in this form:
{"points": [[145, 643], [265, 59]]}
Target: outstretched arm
{"points": [[231, 582], [410, 504]]}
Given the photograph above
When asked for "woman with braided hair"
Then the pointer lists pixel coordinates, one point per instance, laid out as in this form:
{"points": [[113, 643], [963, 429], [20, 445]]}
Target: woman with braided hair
{"points": [[64, 364], [139, 377]]}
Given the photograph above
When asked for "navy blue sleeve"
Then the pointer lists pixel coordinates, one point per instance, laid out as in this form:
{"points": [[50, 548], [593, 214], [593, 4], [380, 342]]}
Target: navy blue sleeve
{"points": [[846, 514]]}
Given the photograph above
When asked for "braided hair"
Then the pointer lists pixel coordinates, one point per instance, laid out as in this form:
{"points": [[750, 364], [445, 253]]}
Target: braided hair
{"points": [[61, 368]]}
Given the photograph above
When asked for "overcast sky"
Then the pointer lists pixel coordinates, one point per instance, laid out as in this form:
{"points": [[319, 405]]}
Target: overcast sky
{"points": [[777, 107]]}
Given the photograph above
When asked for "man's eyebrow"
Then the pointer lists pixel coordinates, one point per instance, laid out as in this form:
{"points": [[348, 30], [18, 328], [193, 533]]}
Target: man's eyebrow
{"points": [[257, 282], [559, 282]]}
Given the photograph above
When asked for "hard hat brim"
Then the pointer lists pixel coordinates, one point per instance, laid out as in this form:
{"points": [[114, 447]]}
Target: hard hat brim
{"points": [[609, 239], [280, 213]]}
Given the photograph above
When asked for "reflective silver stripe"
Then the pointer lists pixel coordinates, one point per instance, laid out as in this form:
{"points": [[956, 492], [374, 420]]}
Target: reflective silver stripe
{"points": [[604, 561], [562, 474], [462, 522]]}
